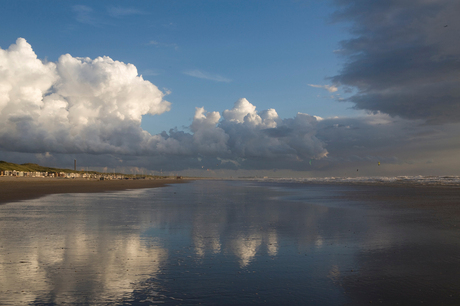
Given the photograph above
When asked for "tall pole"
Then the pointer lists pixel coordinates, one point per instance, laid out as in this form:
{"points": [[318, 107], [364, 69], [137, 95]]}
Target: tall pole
{"points": [[75, 164]]}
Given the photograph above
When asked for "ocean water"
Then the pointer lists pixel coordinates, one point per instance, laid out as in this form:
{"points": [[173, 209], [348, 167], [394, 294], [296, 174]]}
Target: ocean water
{"points": [[433, 180], [233, 243]]}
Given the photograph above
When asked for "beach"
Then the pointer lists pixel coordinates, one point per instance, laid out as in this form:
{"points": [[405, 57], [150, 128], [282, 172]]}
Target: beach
{"points": [[234, 242], [14, 189]]}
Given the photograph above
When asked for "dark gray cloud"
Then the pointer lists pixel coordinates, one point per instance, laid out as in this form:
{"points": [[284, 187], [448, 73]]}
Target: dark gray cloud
{"points": [[404, 57]]}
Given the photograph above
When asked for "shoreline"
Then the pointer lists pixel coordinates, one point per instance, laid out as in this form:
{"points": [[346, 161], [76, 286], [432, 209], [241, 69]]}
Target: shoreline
{"points": [[14, 189]]}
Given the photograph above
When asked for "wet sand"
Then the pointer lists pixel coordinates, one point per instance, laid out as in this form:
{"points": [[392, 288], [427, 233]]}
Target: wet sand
{"points": [[13, 189], [234, 242], [421, 265]]}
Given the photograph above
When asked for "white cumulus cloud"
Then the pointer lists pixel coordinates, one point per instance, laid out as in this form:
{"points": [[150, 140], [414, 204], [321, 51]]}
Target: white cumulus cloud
{"points": [[73, 105], [264, 134]]}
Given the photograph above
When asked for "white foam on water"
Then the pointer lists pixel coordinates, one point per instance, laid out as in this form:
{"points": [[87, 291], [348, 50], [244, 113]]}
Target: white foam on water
{"points": [[416, 180]]}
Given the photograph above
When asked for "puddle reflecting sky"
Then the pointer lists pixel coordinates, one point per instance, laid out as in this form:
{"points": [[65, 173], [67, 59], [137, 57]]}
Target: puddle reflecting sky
{"points": [[209, 242]]}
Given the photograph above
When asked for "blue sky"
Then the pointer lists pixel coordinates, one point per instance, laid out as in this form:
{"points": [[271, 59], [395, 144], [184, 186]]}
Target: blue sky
{"points": [[306, 88], [266, 53]]}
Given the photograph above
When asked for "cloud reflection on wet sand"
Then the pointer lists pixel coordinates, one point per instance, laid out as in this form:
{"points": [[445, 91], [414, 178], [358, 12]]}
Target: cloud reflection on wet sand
{"points": [[222, 243], [68, 253]]}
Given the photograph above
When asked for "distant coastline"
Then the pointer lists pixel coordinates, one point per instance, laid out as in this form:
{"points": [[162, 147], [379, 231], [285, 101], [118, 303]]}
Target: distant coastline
{"points": [[34, 170], [15, 189]]}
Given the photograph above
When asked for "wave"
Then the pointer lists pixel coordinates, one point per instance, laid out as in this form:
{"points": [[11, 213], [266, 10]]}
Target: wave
{"points": [[411, 180]]}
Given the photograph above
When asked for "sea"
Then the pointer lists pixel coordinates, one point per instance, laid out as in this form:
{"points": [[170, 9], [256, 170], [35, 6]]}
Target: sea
{"points": [[237, 242]]}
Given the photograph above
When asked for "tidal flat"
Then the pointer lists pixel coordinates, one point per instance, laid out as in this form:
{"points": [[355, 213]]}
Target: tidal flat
{"points": [[234, 242]]}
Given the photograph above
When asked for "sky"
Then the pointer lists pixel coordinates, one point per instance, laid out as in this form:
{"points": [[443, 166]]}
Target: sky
{"points": [[232, 88]]}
